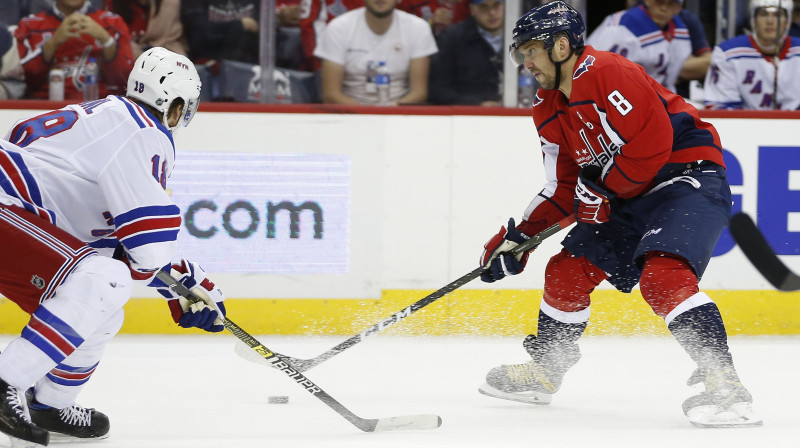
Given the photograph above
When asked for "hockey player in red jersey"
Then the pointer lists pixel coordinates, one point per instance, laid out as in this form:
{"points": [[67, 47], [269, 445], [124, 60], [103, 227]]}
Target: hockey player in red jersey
{"points": [[84, 213], [645, 178]]}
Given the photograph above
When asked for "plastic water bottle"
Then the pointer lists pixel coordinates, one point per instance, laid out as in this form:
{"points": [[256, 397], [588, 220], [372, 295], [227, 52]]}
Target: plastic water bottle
{"points": [[90, 75], [525, 83], [56, 84], [382, 82], [371, 66]]}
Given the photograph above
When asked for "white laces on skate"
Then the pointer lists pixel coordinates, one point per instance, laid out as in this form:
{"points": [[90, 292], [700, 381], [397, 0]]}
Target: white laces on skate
{"points": [[14, 400], [530, 373], [77, 416]]}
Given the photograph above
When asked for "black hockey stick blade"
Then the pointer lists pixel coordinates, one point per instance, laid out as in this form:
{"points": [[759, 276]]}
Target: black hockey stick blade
{"points": [[305, 364], [760, 253], [405, 422]]}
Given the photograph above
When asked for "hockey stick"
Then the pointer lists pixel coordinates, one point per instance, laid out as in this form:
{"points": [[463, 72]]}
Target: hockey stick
{"points": [[760, 253], [305, 364], [417, 421]]}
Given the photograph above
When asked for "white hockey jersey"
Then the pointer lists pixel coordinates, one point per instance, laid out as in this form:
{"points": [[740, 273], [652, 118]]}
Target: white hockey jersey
{"points": [[97, 170], [634, 35], [741, 77]]}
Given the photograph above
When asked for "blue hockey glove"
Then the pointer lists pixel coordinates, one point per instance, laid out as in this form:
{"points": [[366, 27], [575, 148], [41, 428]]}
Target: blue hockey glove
{"points": [[592, 201], [206, 315], [496, 258]]}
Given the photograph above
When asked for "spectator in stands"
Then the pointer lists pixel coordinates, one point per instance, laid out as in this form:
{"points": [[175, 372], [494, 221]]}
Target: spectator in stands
{"points": [[438, 13], [314, 17], [794, 30], [656, 36], [12, 79], [222, 29], [12, 11], [152, 23], [742, 74], [360, 38], [66, 37], [468, 67], [288, 43], [230, 29]]}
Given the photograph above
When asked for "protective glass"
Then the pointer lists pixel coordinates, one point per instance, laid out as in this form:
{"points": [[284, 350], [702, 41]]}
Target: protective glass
{"points": [[190, 110], [515, 55], [518, 56]]}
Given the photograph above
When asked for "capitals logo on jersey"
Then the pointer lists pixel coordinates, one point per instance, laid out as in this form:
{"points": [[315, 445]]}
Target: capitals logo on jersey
{"points": [[584, 67]]}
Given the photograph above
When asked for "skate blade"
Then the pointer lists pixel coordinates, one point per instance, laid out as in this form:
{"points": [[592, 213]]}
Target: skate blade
{"points": [[56, 437], [738, 415], [20, 443], [522, 397]]}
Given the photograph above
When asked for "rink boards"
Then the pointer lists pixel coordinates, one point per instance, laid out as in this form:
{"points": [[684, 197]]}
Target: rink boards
{"points": [[318, 220]]}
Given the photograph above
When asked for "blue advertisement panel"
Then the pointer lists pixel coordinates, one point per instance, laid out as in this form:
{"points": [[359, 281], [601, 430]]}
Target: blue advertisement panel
{"points": [[264, 213]]}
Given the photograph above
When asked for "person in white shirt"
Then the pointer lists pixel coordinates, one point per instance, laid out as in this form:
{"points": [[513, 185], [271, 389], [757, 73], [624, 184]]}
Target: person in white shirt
{"points": [[356, 41], [746, 70], [84, 213]]}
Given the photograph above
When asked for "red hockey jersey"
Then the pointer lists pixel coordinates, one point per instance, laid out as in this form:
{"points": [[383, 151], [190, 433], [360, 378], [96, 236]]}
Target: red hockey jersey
{"points": [[618, 118], [33, 31]]}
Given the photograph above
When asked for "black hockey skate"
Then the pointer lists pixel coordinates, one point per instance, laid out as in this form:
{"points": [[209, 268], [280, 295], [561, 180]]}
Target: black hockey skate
{"points": [[70, 423], [15, 420], [725, 403], [534, 381]]}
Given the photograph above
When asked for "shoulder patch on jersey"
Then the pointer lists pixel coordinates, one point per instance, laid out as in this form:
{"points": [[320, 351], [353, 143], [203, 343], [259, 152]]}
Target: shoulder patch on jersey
{"points": [[583, 67], [742, 41], [537, 100], [638, 22]]}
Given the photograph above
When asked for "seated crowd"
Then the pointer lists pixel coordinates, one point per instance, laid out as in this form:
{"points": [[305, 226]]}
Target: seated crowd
{"points": [[340, 51]]}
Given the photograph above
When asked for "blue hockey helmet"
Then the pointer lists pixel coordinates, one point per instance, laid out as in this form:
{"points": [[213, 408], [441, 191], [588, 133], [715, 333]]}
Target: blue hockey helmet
{"points": [[544, 22]]}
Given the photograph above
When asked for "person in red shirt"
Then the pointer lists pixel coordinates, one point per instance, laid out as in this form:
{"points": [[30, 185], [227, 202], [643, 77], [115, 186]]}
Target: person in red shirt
{"points": [[65, 37], [645, 179]]}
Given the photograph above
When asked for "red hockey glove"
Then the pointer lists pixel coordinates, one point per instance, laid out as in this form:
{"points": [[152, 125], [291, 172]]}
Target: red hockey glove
{"points": [[592, 201], [496, 257]]}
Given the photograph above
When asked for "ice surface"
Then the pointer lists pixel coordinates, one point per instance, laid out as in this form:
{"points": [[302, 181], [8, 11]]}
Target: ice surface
{"points": [[194, 391]]}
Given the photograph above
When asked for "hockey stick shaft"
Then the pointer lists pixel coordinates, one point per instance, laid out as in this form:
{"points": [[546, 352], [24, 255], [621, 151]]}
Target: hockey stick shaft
{"points": [[420, 421], [305, 364], [761, 255]]}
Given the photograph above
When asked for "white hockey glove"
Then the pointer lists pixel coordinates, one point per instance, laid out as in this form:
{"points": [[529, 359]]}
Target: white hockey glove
{"points": [[207, 314]]}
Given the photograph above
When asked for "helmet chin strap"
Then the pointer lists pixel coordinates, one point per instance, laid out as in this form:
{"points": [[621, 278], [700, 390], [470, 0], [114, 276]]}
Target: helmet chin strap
{"points": [[558, 64]]}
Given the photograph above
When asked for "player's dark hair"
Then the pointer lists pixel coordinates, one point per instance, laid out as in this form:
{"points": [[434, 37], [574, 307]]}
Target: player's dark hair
{"points": [[177, 102]]}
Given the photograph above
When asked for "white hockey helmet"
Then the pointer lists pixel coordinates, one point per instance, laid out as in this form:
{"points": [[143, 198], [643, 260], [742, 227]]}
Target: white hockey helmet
{"points": [[755, 5], [159, 76]]}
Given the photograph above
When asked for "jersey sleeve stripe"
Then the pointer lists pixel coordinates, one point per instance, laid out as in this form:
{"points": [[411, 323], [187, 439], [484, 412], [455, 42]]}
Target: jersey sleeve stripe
{"points": [[30, 182], [104, 243], [14, 181], [160, 211], [147, 225], [142, 239], [17, 182]]}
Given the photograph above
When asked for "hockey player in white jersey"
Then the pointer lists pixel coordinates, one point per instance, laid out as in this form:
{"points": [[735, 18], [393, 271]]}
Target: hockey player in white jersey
{"points": [[743, 69], [77, 183], [653, 35]]}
